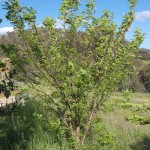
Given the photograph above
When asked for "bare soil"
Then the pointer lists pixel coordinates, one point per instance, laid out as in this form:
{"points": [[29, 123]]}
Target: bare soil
{"points": [[4, 101]]}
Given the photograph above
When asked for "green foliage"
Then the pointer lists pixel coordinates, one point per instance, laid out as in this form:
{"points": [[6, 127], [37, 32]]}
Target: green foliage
{"points": [[140, 119], [33, 127], [2, 64], [138, 108], [81, 80], [42, 140], [103, 138], [127, 94], [28, 125]]}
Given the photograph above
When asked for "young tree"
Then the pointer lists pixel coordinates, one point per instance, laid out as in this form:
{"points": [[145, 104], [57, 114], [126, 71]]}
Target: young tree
{"points": [[79, 80]]}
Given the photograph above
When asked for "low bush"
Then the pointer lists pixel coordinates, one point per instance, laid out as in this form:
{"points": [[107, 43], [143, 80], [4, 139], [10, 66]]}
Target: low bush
{"points": [[33, 126]]}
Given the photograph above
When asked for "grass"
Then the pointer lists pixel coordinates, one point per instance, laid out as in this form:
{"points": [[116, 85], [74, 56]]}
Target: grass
{"points": [[134, 96], [27, 129], [146, 62], [141, 96], [126, 133], [43, 141], [129, 135]]}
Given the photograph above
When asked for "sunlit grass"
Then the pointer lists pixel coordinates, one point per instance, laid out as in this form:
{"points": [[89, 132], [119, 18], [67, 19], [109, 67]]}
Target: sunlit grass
{"points": [[23, 128], [128, 134]]}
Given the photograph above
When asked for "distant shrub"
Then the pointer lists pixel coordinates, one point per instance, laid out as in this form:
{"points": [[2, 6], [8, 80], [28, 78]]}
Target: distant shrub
{"points": [[144, 54], [145, 77]]}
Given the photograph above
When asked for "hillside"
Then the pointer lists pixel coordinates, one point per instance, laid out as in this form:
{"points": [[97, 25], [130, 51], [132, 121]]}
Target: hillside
{"points": [[136, 82]]}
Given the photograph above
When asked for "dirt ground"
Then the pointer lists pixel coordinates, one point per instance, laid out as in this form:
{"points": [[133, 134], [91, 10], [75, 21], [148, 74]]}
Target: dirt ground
{"points": [[4, 101]]}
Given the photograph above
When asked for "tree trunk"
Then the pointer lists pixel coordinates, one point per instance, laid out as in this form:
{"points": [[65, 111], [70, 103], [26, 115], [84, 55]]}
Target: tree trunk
{"points": [[88, 125]]}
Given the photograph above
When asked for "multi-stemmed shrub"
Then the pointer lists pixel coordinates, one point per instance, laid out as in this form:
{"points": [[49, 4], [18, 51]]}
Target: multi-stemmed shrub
{"points": [[74, 82]]}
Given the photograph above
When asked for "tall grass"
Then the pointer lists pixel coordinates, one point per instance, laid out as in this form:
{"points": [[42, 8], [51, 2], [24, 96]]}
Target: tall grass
{"points": [[33, 127], [45, 141], [128, 135], [29, 128]]}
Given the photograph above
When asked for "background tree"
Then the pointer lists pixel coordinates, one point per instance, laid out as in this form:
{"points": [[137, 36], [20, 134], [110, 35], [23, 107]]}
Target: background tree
{"points": [[78, 81]]}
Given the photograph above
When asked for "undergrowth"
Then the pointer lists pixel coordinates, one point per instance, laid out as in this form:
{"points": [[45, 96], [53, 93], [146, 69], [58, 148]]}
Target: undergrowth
{"points": [[33, 126]]}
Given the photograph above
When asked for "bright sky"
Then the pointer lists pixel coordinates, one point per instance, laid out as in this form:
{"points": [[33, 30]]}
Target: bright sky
{"points": [[118, 7]]}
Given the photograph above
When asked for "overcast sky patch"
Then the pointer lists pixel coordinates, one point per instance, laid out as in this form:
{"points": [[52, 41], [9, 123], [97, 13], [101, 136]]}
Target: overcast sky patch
{"points": [[143, 15], [59, 23], [4, 30]]}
